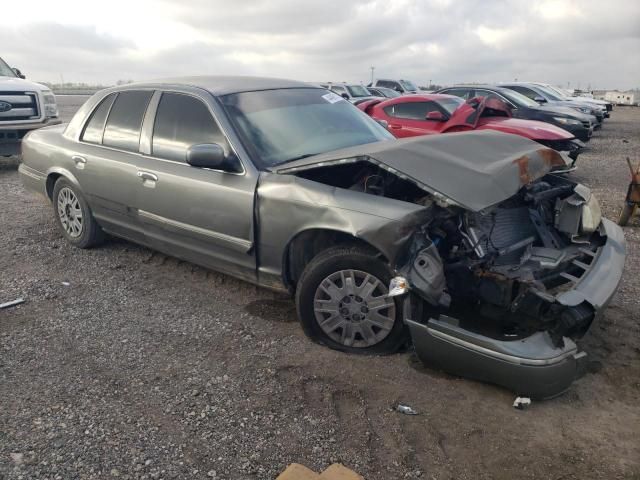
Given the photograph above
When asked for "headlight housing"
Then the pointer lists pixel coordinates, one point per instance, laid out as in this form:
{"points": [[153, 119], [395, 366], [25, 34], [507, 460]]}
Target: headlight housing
{"points": [[583, 109], [50, 106], [567, 121], [591, 215]]}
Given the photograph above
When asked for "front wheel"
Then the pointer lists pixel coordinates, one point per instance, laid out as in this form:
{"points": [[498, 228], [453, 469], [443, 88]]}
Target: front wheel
{"points": [[342, 302]]}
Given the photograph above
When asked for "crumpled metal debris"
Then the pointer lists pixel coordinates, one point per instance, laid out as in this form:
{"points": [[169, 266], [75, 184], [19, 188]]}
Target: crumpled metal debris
{"points": [[406, 409], [12, 303], [521, 403]]}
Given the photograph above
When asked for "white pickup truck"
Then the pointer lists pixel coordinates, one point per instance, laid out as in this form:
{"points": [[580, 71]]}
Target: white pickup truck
{"points": [[24, 106]]}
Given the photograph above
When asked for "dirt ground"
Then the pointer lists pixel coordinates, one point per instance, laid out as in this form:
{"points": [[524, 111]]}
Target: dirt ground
{"points": [[143, 366]]}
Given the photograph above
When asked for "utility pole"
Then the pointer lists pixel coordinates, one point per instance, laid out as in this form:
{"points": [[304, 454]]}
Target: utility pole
{"points": [[373, 69]]}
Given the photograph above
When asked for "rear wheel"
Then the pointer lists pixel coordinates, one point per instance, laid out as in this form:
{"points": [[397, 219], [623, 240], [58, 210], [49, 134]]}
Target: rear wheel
{"points": [[342, 302], [74, 216], [626, 213]]}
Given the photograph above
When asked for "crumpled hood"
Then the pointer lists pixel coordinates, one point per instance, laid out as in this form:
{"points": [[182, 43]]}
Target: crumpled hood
{"points": [[474, 169]]}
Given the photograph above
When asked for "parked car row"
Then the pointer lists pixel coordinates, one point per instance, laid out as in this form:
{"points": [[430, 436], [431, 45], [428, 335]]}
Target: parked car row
{"points": [[414, 115], [518, 108], [462, 244]]}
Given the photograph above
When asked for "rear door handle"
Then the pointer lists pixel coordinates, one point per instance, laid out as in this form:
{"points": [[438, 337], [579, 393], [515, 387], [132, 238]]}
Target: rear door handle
{"points": [[80, 161], [148, 176], [395, 126]]}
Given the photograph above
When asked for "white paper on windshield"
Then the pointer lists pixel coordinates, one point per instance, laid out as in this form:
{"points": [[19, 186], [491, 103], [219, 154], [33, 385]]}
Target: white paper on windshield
{"points": [[332, 97]]}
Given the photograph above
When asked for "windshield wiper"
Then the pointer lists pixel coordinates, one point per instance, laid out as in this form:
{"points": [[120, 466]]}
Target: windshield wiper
{"points": [[300, 157]]}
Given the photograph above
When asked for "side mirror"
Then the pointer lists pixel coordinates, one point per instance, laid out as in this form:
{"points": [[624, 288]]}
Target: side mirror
{"points": [[206, 155], [540, 99], [398, 89], [18, 73], [436, 116], [345, 96]]}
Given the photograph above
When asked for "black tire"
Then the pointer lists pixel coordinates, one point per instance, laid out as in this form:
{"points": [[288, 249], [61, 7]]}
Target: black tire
{"points": [[626, 213], [338, 259], [89, 234]]}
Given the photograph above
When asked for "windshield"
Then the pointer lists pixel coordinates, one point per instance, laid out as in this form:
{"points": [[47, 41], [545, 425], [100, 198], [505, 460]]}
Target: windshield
{"points": [[5, 70], [519, 99], [407, 85], [561, 93], [549, 93], [450, 104], [358, 91], [288, 124]]}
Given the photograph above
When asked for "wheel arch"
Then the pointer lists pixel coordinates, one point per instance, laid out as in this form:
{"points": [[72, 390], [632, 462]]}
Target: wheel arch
{"points": [[53, 175], [307, 244]]}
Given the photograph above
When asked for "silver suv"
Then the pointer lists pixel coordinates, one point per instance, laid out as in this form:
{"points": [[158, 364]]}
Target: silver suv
{"points": [[400, 86], [349, 91]]}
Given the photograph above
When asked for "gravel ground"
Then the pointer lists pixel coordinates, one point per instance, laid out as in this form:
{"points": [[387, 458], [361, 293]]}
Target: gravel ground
{"points": [[125, 363]]}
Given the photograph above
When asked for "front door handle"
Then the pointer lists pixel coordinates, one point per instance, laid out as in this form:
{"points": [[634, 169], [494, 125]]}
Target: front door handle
{"points": [[80, 161], [148, 176], [394, 126]]}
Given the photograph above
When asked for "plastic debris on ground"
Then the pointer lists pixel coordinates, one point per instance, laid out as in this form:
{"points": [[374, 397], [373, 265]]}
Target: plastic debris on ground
{"points": [[521, 403], [406, 409], [12, 303]]}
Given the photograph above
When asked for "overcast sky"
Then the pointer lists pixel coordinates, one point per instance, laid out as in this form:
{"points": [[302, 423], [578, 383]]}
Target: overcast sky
{"points": [[584, 42]]}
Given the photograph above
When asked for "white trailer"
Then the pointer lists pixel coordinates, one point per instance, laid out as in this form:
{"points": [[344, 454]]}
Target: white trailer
{"points": [[621, 98]]}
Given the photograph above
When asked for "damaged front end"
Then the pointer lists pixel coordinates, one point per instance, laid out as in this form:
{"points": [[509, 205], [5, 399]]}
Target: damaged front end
{"points": [[501, 295], [511, 265]]}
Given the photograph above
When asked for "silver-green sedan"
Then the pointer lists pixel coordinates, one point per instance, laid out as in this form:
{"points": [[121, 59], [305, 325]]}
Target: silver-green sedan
{"points": [[462, 244]]}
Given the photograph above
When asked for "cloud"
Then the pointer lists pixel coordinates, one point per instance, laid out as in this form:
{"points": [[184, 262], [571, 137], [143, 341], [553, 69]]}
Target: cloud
{"points": [[557, 41]]}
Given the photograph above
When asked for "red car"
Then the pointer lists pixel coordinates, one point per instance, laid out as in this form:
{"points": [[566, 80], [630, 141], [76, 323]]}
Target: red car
{"points": [[413, 115]]}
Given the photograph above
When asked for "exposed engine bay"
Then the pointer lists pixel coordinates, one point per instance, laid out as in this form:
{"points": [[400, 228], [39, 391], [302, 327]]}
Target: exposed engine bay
{"points": [[498, 270]]}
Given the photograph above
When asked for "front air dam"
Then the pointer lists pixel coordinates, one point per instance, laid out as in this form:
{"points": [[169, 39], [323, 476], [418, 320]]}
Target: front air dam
{"points": [[530, 366]]}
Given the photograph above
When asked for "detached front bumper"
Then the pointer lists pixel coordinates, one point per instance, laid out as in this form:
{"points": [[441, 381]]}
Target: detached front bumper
{"points": [[532, 366]]}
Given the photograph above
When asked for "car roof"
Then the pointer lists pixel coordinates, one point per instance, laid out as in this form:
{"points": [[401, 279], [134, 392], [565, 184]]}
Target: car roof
{"points": [[421, 96], [345, 84], [524, 84], [219, 85], [480, 85], [382, 88]]}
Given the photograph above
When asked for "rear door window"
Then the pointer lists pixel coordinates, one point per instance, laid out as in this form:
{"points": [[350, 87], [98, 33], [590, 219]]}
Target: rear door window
{"points": [[125, 120], [527, 92], [94, 128], [388, 84], [182, 121], [458, 92], [411, 110], [489, 94]]}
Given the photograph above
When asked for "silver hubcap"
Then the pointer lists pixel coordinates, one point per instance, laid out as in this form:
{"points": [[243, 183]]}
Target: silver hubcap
{"points": [[70, 212], [353, 309]]}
